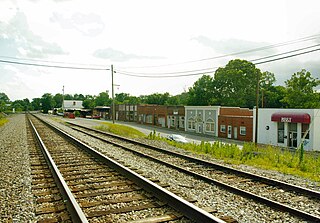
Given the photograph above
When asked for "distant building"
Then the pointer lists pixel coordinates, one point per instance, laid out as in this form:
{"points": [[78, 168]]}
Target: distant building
{"points": [[72, 105], [102, 111]]}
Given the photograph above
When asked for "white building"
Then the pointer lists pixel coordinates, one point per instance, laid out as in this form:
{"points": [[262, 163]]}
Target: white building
{"points": [[202, 119], [72, 105], [288, 127]]}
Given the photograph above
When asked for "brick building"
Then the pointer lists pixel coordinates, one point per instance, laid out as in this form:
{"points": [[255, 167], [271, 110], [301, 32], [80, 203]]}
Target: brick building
{"points": [[235, 123], [127, 112], [152, 115]]}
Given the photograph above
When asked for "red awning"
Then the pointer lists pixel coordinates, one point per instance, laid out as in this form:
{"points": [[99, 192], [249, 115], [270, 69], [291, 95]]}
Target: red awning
{"points": [[291, 117]]}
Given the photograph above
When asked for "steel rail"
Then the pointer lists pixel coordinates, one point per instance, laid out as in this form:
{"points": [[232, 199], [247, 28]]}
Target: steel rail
{"points": [[72, 205], [269, 181], [186, 208], [238, 191]]}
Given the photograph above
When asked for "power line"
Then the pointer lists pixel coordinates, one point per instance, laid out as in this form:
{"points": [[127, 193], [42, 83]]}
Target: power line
{"points": [[164, 73], [281, 58], [208, 70], [52, 66], [303, 39], [55, 62], [164, 76], [292, 51]]}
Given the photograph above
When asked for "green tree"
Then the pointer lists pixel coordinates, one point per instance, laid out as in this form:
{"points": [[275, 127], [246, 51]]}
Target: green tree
{"points": [[156, 98], [300, 91], [4, 100], [202, 92], [235, 84], [79, 97], [36, 104], [103, 99], [47, 102], [273, 97], [68, 97], [89, 102], [58, 98], [122, 98], [21, 105]]}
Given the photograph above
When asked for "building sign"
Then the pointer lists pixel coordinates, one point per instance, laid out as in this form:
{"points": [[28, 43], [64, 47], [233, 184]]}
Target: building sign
{"points": [[294, 117], [285, 119]]}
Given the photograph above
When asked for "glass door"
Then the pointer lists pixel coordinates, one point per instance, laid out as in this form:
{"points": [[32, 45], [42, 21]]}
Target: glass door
{"points": [[292, 139]]}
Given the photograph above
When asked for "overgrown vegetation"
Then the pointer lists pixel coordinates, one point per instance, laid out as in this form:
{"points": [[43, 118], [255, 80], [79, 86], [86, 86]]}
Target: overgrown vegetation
{"points": [[297, 163], [3, 120], [121, 130]]}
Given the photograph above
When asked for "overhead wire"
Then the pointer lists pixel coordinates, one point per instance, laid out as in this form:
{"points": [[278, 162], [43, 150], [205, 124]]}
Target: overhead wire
{"points": [[281, 58], [299, 40], [213, 69], [50, 61], [178, 73], [52, 66]]}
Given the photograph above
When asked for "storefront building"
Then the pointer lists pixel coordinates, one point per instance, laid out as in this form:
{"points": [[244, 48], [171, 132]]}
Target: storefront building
{"points": [[175, 117], [235, 123], [289, 127], [202, 119]]}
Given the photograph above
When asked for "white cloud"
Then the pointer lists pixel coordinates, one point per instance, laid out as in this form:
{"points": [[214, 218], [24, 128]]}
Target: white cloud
{"points": [[145, 33]]}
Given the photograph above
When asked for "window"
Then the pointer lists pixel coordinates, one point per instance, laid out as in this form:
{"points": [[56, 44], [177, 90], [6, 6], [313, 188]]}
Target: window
{"points": [[191, 124], [243, 130], [280, 132], [172, 121], [222, 128], [181, 124], [305, 128], [149, 119], [210, 125]]}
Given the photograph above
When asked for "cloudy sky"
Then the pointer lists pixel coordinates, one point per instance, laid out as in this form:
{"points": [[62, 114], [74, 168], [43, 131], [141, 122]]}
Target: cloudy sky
{"points": [[146, 41]]}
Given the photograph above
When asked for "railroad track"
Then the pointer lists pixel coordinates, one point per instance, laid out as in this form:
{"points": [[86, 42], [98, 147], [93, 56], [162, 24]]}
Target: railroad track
{"points": [[49, 205], [276, 194], [95, 188]]}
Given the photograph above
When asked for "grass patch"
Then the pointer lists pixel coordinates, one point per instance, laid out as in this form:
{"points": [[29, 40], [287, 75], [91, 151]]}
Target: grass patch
{"points": [[297, 163], [121, 130], [3, 120]]}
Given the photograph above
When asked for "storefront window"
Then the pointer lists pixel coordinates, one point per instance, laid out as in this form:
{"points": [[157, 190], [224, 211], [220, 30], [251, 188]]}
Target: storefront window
{"points": [[149, 119], [210, 125], [191, 124], [305, 128], [243, 130], [280, 132]]}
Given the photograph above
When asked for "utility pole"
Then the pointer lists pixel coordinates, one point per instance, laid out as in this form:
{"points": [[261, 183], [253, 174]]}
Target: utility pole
{"points": [[113, 104], [63, 98], [257, 109]]}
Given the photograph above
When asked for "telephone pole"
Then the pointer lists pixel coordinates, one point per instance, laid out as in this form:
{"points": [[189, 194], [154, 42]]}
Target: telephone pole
{"points": [[62, 99], [113, 104]]}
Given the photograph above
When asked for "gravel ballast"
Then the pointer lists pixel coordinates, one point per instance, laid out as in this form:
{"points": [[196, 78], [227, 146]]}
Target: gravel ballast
{"points": [[16, 201], [207, 195]]}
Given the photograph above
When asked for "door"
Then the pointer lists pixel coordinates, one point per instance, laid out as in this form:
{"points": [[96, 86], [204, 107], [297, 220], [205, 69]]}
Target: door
{"points": [[235, 132], [292, 135], [229, 131], [200, 128]]}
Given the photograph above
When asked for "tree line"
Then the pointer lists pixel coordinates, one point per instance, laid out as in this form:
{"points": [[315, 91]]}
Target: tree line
{"points": [[236, 84]]}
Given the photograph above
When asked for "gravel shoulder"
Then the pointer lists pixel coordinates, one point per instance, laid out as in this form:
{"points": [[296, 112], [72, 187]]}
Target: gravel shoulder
{"points": [[16, 200]]}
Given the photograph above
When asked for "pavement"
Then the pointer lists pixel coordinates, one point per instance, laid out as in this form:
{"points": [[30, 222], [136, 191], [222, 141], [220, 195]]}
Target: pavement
{"points": [[164, 132]]}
